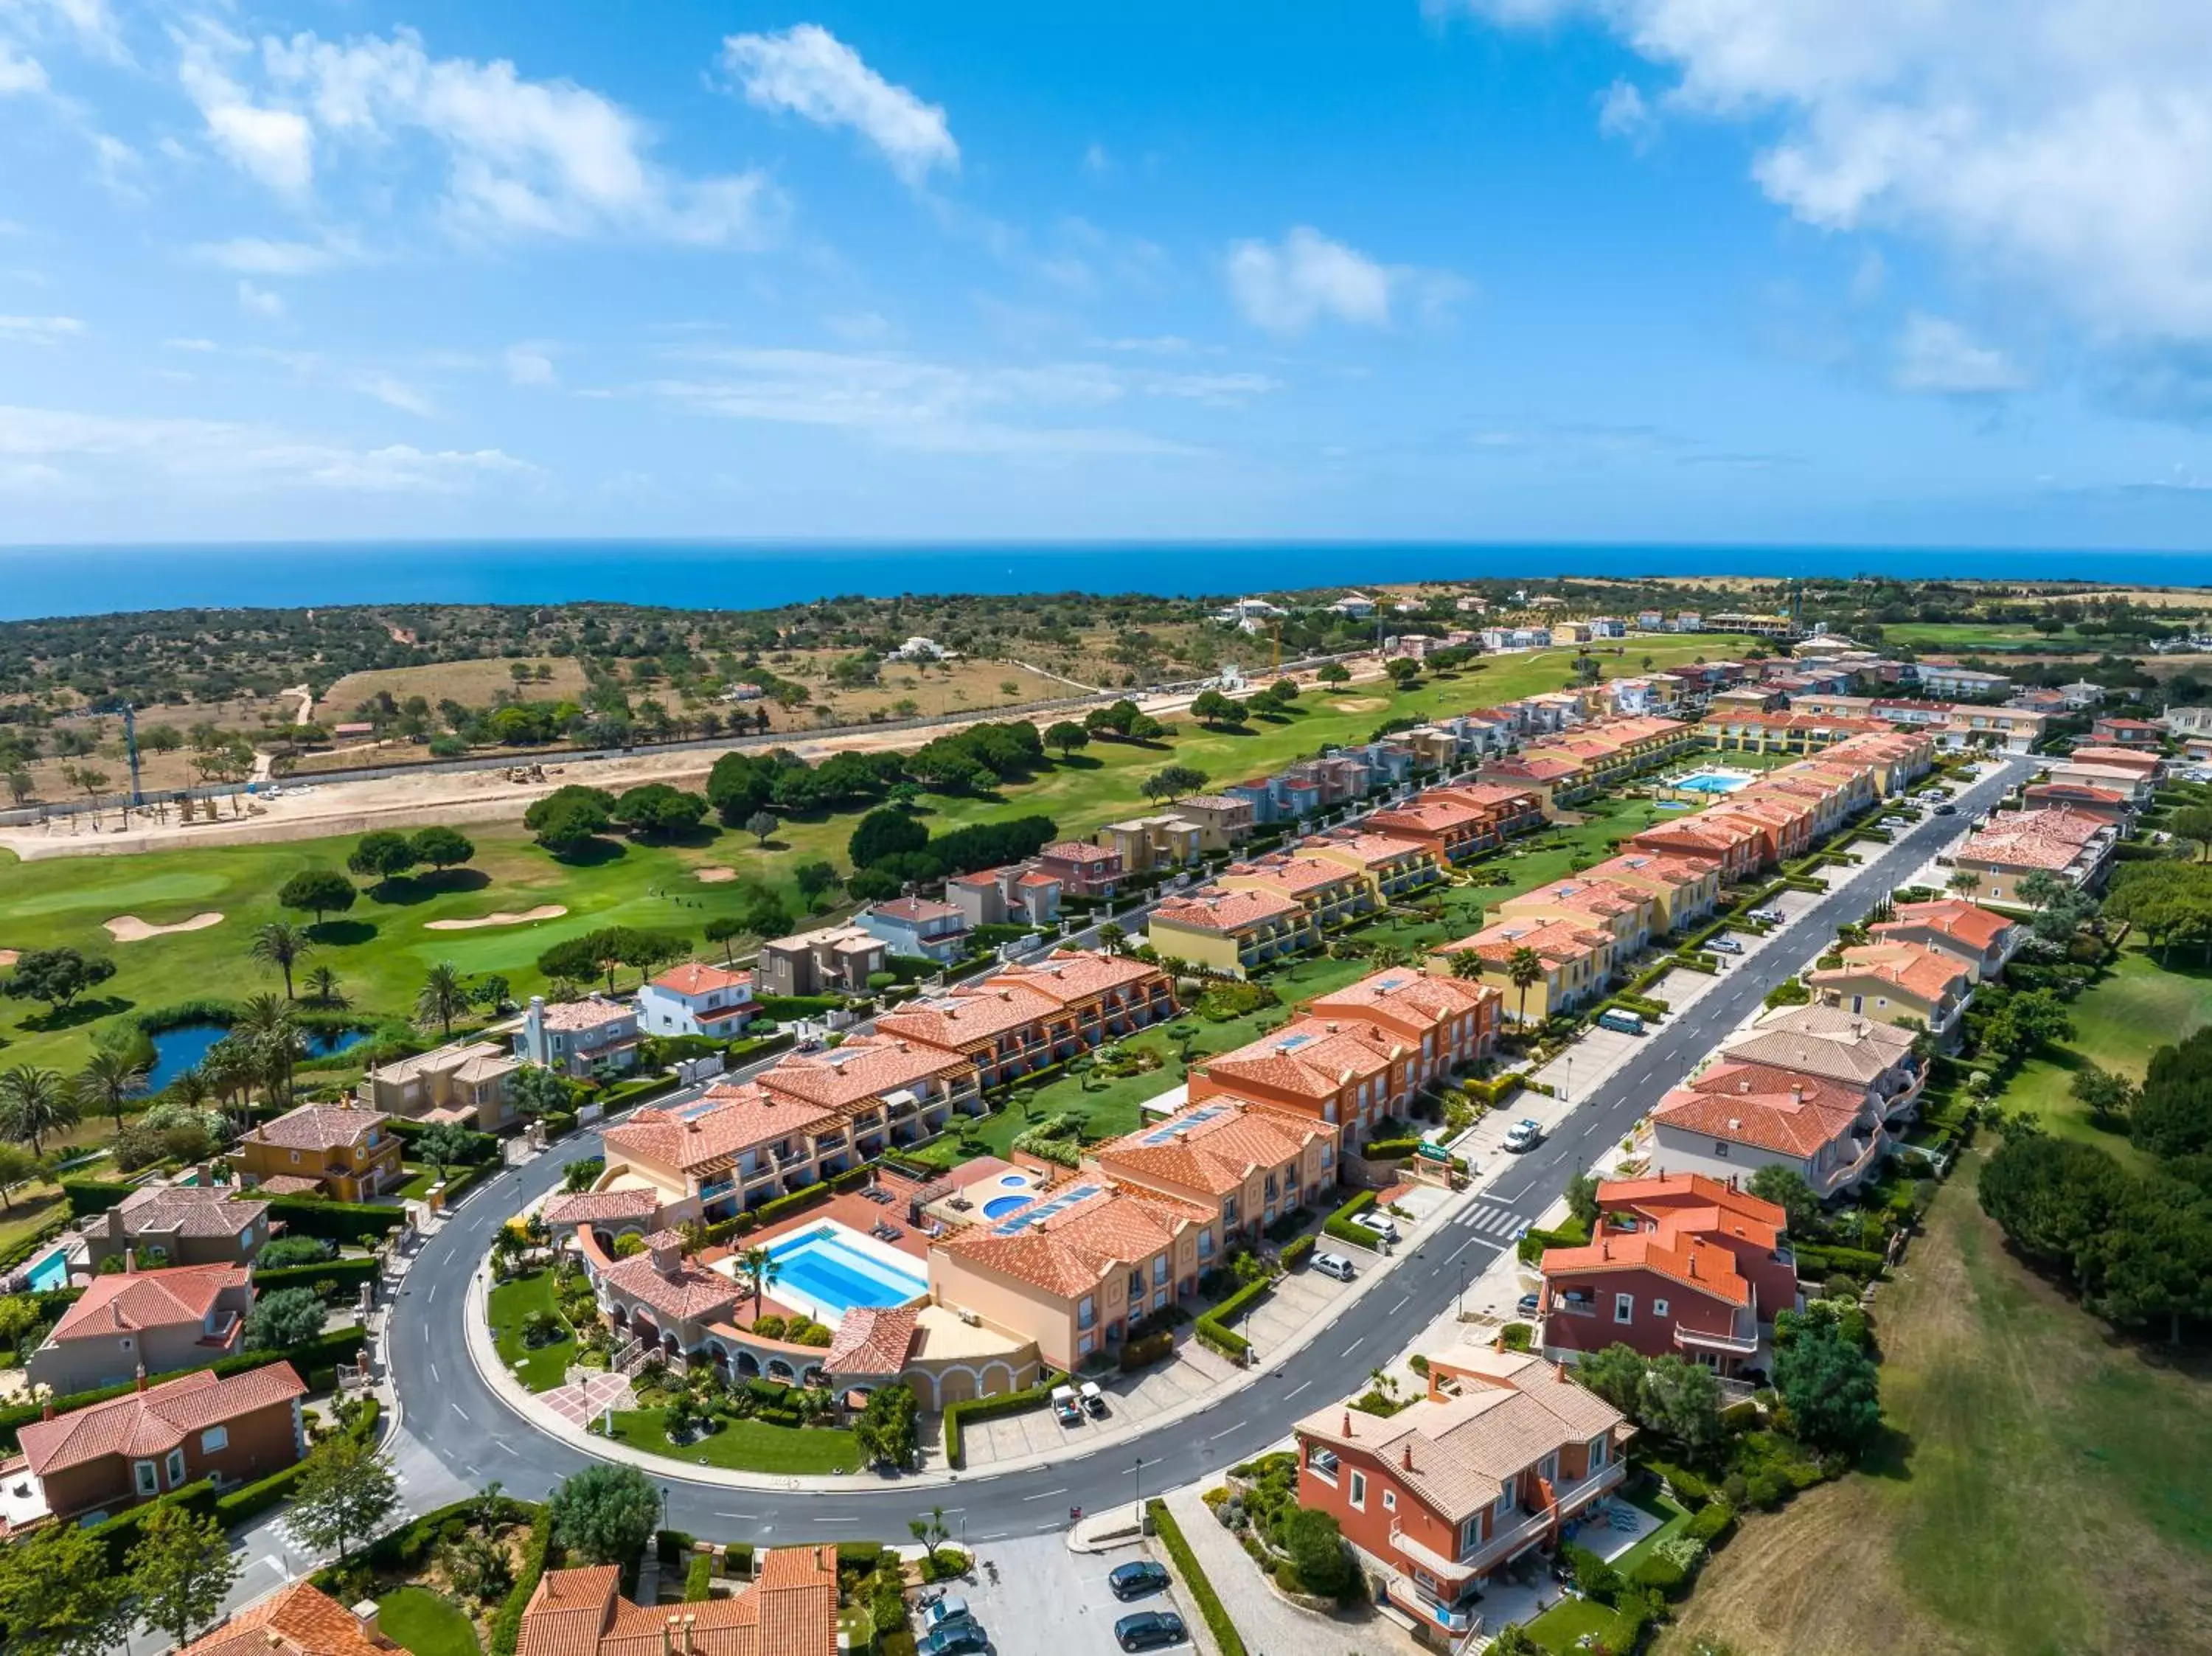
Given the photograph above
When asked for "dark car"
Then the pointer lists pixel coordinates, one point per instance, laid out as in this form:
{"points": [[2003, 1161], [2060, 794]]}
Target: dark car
{"points": [[1527, 1305], [1947, 809], [1137, 1579], [956, 1639], [1150, 1630]]}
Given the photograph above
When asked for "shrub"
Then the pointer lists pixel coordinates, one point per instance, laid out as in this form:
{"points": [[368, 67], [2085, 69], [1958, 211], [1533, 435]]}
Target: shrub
{"points": [[1225, 1637], [506, 1626], [1657, 1573]]}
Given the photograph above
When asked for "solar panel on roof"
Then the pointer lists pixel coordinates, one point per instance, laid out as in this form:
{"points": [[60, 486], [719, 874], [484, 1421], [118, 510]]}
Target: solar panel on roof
{"points": [[703, 1106], [1162, 1133], [1292, 1043], [1022, 1221]]}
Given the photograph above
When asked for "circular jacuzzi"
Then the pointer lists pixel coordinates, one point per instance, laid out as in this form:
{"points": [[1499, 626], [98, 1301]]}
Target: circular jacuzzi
{"points": [[1000, 1206], [1015, 1180]]}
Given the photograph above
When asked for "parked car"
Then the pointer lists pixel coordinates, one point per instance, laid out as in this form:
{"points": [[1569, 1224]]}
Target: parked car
{"points": [[1527, 1304], [1523, 1135], [1725, 946], [1380, 1223], [1334, 1264], [1066, 1408], [1947, 809], [946, 1611], [1150, 1630], [1768, 916], [955, 1639], [1621, 1021], [1094, 1400], [1138, 1579]]}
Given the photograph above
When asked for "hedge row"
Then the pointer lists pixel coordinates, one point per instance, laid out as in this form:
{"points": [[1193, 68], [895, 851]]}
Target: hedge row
{"points": [[699, 1579], [1389, 1150], [1226, 1639], [339, 1345], [95, 1195], [506, 1626], [335, 1222], [344, 1272], [252, 1500], [957, 1415], [1816, 1259], [1214, 1330], [777, 1206], [1339, 1224], [633, 1090], [1496, 1089], [1296, 1250]]}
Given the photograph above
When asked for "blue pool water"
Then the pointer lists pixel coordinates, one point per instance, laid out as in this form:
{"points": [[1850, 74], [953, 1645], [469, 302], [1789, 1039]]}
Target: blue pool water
{"points": [[1000, 1206], [1713, 782], [1672, 804], [50, 1272], [178, 1050], [825, 1274]]}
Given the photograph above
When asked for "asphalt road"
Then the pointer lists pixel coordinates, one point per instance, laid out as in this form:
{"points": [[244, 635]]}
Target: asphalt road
{"points": [[452, 1416]]}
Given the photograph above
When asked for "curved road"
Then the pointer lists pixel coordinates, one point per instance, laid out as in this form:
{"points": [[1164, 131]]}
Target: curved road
{"points": [[450, 1414]]}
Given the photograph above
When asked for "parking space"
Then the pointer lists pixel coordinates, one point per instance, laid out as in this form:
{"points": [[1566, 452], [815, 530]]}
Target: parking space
{"points": [[1790, 904], [1046, 1598]]}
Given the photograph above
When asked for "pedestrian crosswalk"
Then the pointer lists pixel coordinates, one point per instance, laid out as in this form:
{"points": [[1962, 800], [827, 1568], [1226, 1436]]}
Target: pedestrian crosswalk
{"points": [[1491, 1220]]}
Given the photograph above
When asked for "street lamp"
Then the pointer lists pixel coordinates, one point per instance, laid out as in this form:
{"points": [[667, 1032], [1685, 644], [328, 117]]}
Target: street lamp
{"points": [[1462, 1309], [1138, 1470]]}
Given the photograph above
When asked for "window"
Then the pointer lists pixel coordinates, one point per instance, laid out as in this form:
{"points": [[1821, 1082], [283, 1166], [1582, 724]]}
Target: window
{"points": [[1598, 1447], [1470, 1535], [1390, 1501], [1084, 1345], [214, 1440], [1360, 1489], [176, 1467], [1322, 1463], [1548, 1467], [1720, 1149], [1658, 1307], [296, 1158], [1506, 1501], [1205, 1243], [1624, 1308], [1086, 1313], [1159, 1270], [148, 1479]]}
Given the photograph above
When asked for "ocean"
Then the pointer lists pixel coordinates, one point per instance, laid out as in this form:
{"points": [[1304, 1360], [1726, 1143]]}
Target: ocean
{"points": [[74, 581]]}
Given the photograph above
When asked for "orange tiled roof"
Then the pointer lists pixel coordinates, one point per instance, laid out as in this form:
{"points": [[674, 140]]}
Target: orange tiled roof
{"points": [[1215, 1153], [1069, 975], [137, 1300], [1787, 1119], [1970, 923], [741, 1117], [872, 1340], [318, 1127], [299, 1620], [693, 978], [692, 1294], [1926, 973], [1225, 910], [967, 1015], [1073, 1251], [1367, 850], [1404, 995], [1312, 1058], [1554, 940], [1292, 876], [151, 1422], [1690, 1261], [865, 1067], [585, 1207]]}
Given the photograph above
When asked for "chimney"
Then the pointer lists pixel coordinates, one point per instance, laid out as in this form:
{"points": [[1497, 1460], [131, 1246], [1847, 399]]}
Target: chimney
{"points": [[141, 1377], [668, 1258], [1735, 1123], [1347, 1432], [1406, 1460], [130, 1261], [364, 1613], [47, 1411], [667, 1636]]}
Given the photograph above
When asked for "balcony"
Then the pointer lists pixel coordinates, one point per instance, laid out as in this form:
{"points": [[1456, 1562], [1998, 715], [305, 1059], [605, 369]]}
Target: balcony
{"points": [[1695, 1339], [714, 1191]]}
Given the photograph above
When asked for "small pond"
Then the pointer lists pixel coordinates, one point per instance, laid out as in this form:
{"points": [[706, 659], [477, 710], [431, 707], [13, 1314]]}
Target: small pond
{"points": [[178, 1050]]}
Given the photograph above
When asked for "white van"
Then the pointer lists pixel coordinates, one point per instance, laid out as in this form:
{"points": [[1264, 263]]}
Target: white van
{"points": [[1334, 1264]]}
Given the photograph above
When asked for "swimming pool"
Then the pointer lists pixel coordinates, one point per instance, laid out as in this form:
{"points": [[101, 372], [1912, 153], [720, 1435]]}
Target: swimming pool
{"points": [[1712, 781], [829, 1269], [1000, 1206], [50, 1272]]}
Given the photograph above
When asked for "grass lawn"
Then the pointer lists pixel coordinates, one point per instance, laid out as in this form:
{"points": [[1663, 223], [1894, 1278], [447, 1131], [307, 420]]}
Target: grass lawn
{"points": [[748, 1445], [2135, 1008], [542, 1366], [1673, 1517], [2045, 1489], [31, 1209], [418, 1620], [419, 1180], [1559, 1629], [381, 949]]}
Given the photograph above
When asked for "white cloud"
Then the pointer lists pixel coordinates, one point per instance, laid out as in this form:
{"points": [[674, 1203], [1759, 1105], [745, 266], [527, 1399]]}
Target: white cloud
{"points": [[2063, 143], [1288, 286], [200, 345], [912, 403], [38, 330], [1623, 113], [1096, 161], [1934, 354], [519, 157], [812, 74], [259, 301], [20, 73], [859, 327], [530, 365], [228, 456], [260, 255], [393, 391]]}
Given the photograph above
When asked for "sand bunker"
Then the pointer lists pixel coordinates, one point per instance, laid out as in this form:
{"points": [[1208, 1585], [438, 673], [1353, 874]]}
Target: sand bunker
{"points": [[9, 957], [716, 875], [542, 912], [1360, 704], [129, 928]]}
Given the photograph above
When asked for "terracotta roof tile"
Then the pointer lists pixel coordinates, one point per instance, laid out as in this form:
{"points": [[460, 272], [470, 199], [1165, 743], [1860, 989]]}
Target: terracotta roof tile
{"points": [[151, 1422], [299, 1620], [131, 1303], [319, 1127]]}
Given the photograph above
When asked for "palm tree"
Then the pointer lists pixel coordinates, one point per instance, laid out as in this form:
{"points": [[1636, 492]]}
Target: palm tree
{"points": [[280, 944], [113, 1074], [1387, 954], [1965, 882], [269, 1043], [35, 1102], [1467, 965], [443, 998], [1524, 970], [323, 988], [759, 1269]]}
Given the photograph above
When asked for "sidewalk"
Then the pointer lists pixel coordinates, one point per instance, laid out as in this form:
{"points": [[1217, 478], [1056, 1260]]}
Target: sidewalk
{"points": [[1265, 1621]]}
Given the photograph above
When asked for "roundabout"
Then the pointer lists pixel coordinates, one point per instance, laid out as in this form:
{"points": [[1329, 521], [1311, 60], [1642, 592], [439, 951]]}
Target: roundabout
{"points": [[459, 1408]]}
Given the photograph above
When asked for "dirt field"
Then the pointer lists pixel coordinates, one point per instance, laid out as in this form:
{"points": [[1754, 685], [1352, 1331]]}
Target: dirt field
{"points": [[473, 684], [2043, 1491]]}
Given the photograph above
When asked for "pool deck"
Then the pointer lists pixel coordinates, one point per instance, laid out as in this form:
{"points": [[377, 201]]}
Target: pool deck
{"points": [[850, 1209]]}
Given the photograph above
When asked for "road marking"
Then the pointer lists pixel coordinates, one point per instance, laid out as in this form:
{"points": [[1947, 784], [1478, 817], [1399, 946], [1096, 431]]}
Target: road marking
{"points": [[1472, 1241], [1353, 1347], [1403, 1299], [432, 1295], [1044, 1494], [748, 1517], [1226, 1432], [996, 1535], [433, 1368], [457, 1410], [1295, 1390], [832, 1520]]}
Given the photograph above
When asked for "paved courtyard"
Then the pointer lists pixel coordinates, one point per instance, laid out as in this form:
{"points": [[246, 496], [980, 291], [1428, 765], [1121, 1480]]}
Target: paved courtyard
{"points": [[583, 1403]]}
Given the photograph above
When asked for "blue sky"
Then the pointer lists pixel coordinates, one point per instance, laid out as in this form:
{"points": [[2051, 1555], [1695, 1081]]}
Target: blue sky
{"points": [[1875, 270]]}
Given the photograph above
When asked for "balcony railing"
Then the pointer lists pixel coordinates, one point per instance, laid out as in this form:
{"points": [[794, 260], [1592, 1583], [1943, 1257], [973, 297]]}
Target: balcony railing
{"points": [[1737, 1344], [720, 1187]]}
